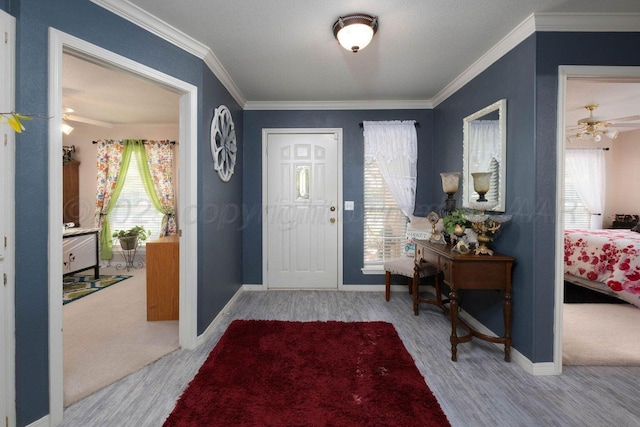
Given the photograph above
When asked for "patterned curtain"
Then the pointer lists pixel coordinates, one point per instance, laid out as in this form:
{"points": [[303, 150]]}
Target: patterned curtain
{"points": [[157, 173], [113, 163]]}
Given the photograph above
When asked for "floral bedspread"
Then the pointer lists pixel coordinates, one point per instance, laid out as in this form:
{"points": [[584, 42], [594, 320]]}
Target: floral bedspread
{"points": [[607, 256]]}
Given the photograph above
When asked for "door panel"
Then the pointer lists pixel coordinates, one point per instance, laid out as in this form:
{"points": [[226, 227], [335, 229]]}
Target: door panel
{"points": [[302, 229]]}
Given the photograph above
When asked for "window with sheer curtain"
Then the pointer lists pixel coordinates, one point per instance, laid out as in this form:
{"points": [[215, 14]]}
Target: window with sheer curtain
{"points": [[385, 226], [390, 170], [585, 174], [133, 207]]}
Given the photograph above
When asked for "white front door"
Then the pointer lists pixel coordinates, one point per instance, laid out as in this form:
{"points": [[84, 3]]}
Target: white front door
{"points": [[302, 221], [7, 139]]}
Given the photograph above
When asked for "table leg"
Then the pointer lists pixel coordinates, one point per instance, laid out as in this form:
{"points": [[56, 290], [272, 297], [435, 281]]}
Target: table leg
{"points": [[453, 311], [415, 286], [506, 310]]}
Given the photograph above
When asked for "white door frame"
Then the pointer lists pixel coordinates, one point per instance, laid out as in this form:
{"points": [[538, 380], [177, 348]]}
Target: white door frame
{"points": [[7, 291], [565, 72], [265, 187], [188, 167]]}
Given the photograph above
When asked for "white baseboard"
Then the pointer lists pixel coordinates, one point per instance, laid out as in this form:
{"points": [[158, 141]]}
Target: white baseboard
{"points": [[218, 319], [42, 422]]}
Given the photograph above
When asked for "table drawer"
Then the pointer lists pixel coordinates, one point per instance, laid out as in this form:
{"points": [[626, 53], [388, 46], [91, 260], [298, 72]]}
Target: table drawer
{"points": [[443, 264]]}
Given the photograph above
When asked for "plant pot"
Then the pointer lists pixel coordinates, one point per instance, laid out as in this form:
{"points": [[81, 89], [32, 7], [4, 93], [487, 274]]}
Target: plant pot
{"points": [[128, 243]]}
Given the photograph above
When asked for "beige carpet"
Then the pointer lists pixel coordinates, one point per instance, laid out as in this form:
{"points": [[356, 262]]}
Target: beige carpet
{"points": [[601, 334], [107, 337]]}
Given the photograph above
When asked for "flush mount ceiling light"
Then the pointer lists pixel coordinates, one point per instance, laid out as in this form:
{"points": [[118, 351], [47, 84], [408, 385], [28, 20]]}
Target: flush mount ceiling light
{"points": [[355, 31]]}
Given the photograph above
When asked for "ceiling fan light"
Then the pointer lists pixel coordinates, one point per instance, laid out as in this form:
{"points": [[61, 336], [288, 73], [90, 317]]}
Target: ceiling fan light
{"points": [[585, 136], [597, 138], [354, 32], [612, 134], [66, 128]]}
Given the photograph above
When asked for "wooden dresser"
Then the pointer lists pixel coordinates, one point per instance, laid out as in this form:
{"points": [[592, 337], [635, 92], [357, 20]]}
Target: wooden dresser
{"points": [[467, 271], [163, 278], [71, 193]]}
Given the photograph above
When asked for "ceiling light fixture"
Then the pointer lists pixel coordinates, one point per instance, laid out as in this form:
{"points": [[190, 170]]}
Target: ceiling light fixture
{"points": [[354, 32], [593, 128]]}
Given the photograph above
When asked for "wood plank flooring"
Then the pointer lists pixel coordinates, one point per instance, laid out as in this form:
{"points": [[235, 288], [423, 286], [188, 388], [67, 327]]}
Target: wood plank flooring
{"points": [[478, 390]]}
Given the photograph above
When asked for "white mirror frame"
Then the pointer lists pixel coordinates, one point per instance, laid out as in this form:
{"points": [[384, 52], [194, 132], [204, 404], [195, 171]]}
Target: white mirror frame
{"points": [[467, 180]]}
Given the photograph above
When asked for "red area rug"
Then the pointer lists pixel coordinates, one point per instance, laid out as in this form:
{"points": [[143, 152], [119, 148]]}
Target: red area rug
{"points": [[274, 373]]}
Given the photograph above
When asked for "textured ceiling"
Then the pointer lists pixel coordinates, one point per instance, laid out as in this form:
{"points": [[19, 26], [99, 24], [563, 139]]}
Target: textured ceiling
{"points": [[284, 51]]}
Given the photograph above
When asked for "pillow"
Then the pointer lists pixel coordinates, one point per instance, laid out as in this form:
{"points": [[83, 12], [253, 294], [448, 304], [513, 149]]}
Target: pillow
{"points": [[419, 223]]}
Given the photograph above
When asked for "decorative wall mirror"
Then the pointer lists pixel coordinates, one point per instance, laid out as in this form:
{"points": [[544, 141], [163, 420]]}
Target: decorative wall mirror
{"points": [[485, 150]]}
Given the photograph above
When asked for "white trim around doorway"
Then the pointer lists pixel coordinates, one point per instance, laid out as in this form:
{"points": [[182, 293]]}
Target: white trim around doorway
{"points": [[60, 42], [564, 73]]}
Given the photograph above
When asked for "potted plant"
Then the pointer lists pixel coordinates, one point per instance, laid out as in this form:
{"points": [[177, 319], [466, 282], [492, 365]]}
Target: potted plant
{"points": [[455, 222], [129, 238]]}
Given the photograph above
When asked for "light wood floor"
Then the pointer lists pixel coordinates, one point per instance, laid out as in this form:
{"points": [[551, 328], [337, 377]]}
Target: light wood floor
{"points": [[478, 390]]}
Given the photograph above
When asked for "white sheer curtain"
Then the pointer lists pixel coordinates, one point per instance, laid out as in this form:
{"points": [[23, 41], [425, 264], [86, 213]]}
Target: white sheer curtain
{"points": [[394, 146], [484, 137], [587, 171]]}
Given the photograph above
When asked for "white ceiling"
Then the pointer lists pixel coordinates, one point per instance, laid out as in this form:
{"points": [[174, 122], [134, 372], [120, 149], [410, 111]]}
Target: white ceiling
{"points": [[284, 50]]}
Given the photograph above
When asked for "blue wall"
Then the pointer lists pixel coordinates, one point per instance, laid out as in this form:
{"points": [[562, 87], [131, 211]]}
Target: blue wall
{"points": [[87, 21], [511, 78], [353, 176]]}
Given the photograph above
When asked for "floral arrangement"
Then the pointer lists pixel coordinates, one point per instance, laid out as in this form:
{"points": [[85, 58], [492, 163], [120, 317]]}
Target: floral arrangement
{"points": [[14, 120]]}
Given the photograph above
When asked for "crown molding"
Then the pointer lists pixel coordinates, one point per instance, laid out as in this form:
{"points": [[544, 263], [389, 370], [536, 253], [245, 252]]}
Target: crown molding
{"points": [[543, 22], [339, 105], [511, 40], [588, 22], [145, 20]]}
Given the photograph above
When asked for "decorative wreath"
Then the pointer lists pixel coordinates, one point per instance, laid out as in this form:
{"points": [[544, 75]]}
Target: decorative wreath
{"points": [[223, 143]]}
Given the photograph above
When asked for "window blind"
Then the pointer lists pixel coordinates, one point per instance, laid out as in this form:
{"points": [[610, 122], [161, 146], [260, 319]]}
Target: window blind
{"points": [[385, 226], [134, 207], [576, 214]]}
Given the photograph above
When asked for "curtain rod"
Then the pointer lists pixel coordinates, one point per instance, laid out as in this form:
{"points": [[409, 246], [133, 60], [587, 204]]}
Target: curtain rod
{"points": [[144, 140], [417, 124], [584, 148]]}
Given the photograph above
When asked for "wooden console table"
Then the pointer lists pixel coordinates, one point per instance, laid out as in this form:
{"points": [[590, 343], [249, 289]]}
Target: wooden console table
{"points": [[469, 271]]}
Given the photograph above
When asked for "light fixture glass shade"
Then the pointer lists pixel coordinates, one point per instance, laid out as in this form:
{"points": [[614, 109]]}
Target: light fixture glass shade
{"points": [[481, 181], [66, 129], [354, 32], [450, 182], [612, 134], [355, 37]]}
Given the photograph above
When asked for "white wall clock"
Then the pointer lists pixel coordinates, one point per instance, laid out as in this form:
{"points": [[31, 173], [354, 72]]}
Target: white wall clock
{"points": [[223, 143]]}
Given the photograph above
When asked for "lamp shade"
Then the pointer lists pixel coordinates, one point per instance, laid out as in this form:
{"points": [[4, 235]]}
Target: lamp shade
{"points": [[354, 32], [481, 182], [450, 181]]}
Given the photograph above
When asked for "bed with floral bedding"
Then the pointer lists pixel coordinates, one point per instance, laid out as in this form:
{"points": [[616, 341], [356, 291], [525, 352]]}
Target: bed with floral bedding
{"points": [[604, 260]]}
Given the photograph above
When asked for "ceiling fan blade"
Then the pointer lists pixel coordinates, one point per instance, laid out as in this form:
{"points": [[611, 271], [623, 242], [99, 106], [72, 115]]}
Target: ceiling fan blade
{"points": [[626, 119], [80, 119], [624, 125]]}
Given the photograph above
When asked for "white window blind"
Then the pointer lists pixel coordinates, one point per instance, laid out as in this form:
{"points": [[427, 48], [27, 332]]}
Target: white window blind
{"points": [[576, 214], [134, 207], [385, 226]]}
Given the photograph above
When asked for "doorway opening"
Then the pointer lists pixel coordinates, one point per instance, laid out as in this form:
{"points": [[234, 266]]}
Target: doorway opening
{"points": [[61, 43], [570, 138]]}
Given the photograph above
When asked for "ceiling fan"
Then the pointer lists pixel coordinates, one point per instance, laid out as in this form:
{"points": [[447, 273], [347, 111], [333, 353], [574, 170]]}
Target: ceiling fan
{"points": [[594, 127], [68, 116]]}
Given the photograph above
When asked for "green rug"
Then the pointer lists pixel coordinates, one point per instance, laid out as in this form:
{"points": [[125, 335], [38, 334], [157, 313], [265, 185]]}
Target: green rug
{"points": [[78, 286]]}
